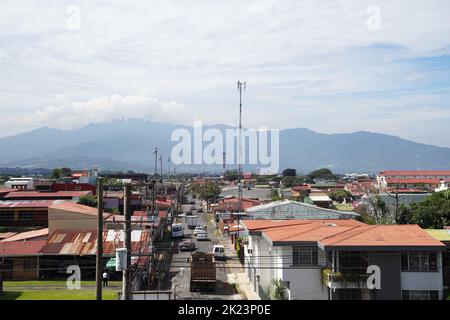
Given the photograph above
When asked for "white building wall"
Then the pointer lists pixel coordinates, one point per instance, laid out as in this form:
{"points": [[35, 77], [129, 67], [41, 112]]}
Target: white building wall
{"points": [[424, 281], [305, 283], [276, 263]]}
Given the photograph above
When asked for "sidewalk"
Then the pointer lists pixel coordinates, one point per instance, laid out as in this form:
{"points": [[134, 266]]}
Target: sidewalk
{"points": [[237, 273]]}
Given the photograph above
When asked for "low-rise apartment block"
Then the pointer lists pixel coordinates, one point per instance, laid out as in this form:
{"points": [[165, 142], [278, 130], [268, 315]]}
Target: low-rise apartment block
{"points": [[334, 259]]}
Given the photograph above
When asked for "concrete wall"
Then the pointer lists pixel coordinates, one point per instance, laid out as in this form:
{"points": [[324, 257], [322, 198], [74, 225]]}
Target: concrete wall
{"points": [[69, 220], [273, 263], [305, 284]]}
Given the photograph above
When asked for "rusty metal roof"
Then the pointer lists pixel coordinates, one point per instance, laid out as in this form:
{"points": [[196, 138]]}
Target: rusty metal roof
{"points": [[69, 242]]}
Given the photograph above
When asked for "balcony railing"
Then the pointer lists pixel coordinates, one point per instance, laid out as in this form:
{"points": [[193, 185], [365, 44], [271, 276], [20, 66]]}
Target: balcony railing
{"points": [[339, 280]]}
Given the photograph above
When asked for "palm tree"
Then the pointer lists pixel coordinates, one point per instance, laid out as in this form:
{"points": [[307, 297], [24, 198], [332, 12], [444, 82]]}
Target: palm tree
{"points": [[278, 289]]}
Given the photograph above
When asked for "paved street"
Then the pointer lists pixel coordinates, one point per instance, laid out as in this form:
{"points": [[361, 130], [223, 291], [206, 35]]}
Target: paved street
{"points": [[179, 273]]}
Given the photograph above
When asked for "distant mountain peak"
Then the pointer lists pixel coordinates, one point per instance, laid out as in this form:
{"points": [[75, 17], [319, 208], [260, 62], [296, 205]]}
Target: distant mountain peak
{"points": [[128, 144]]}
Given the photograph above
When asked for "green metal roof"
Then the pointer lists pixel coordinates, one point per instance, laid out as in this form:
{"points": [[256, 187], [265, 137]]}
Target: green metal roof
{"points": [[439, 234], [111, 264]]}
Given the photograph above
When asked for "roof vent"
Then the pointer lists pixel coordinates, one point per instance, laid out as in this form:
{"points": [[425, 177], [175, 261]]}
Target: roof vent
{"points": [[330, 224]]}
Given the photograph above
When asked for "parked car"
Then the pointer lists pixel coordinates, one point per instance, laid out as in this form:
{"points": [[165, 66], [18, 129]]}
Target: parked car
{"points": [[202, 235], [198, 229], [219, 252], [177, 230], [187, 245]]}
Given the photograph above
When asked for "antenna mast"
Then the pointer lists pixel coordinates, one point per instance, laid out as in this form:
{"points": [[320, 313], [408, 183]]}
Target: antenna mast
{"points": [[241, 86]]}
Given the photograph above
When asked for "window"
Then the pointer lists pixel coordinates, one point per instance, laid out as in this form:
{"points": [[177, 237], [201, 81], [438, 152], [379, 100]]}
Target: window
{"points": [[304, 256], [351, 262], [419, 261], [420, 295]]}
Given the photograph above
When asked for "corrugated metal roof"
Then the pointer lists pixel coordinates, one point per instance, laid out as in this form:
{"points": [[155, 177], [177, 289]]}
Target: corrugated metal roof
{"points": [[85, 242], [28, 235], [34, 194], [21, 248], [29, 203]]}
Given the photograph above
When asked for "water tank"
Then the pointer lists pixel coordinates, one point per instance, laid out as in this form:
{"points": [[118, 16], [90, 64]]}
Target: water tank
{"points": [[121, 259]]}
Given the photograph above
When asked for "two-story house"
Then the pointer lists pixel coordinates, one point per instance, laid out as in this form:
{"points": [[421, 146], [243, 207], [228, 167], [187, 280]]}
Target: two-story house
{"points": [[330, 260]]}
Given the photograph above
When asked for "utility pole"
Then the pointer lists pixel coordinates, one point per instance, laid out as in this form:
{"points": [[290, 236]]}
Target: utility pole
{"points": [[99, 256], [160, 163], [155, 151], [224, 159], [168, 168], [241, 86], [126, 285]]}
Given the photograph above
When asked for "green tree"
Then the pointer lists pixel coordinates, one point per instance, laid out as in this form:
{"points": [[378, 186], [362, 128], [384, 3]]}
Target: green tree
{"points": [[323, 173], [278, 289], [56, 173], [88, 200], [66, 172], [275, 195], [302, 195], [206, 191], [289, 172], [231, 175], [340, 195], [288, 181], [432, 212]]}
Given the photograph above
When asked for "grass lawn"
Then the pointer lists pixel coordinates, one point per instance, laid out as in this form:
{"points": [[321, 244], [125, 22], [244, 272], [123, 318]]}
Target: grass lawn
{"points": [[55, 290], [52, 283], [55, 295]]}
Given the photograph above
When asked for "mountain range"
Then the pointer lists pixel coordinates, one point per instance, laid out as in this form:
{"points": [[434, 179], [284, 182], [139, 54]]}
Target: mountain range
{"points": [[128, 145]]}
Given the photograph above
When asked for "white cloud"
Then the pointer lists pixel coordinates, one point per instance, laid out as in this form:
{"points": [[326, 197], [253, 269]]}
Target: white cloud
{"points": [[306, 58], [64, 114]]}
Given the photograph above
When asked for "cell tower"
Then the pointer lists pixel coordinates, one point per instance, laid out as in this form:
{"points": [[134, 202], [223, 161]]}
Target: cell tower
{"points": [[241, 85]]}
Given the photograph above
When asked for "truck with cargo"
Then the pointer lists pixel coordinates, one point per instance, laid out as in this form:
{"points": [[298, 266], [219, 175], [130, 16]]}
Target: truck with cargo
{"points": [[191, 221], [203, 272]]}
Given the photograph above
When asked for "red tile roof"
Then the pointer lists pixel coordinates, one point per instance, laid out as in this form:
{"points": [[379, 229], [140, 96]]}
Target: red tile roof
{"points": [[300, 230], [21, 248], [415, 173], [383, 235], [413, 180], [338, 233]]}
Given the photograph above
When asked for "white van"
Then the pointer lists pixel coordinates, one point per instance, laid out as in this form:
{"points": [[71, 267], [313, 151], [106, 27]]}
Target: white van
{"points": [[219, 252], [177, 230]]}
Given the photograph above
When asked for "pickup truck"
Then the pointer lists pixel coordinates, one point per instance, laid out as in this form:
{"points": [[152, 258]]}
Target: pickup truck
{"points": [[203, 272]]}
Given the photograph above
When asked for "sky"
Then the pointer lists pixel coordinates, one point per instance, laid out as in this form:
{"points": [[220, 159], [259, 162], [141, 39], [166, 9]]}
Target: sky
{"points": [[330, 66]]}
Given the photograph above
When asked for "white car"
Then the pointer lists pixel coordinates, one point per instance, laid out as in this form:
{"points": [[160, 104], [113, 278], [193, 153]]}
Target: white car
{"points": [[202, 235], [198, 229]]}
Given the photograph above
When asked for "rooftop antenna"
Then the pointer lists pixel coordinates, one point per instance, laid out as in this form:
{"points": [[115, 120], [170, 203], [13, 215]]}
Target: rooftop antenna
{"points": [[241, 85]]}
